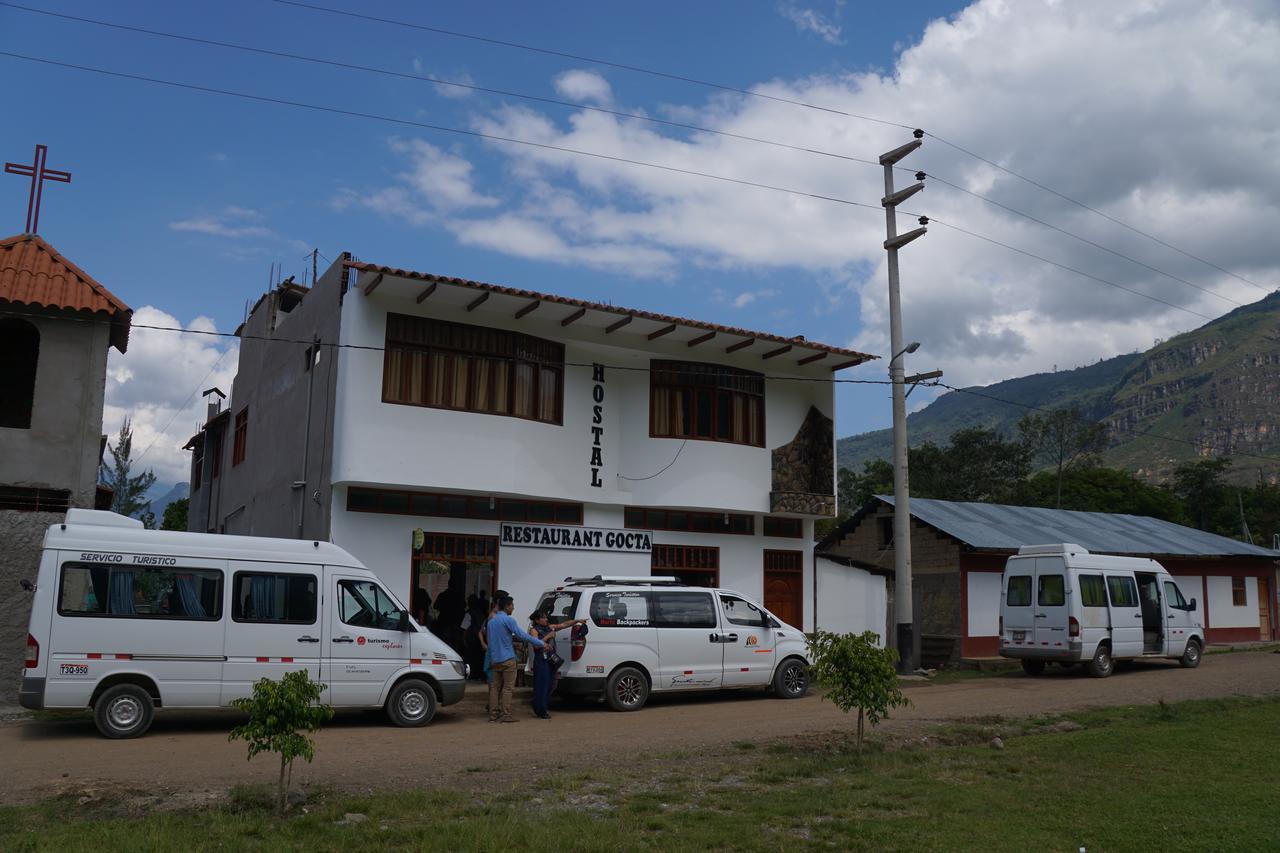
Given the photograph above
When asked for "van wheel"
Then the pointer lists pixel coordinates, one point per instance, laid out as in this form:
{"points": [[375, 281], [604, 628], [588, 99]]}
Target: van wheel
{"points": [[412, 703], [123, 711], [627, 689], [791, 680], [1033, 667], [1102, 665], [1191, 656]]}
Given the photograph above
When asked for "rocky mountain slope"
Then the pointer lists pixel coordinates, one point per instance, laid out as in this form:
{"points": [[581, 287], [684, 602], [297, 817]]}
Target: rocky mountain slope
{"points": [[1216, 390]]}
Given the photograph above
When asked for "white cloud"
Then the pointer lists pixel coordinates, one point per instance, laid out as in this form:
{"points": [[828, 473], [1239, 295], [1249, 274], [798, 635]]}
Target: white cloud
{"points": [[810, 20], [238, 223], [584, 86], [743, 299], [458, 92], [157, 385], [1081, 96]]}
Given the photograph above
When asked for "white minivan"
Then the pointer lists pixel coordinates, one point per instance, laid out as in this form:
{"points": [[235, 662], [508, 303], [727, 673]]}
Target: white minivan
{"points": [[655, 635], [125, 620], [1063, 605]]}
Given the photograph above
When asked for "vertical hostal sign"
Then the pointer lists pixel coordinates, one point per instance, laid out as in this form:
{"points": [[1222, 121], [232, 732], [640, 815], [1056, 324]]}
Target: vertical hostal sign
{"points": [[597, 423]]}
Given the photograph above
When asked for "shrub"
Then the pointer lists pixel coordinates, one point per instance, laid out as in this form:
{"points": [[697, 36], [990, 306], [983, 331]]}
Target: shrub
{"points": [[279, 712], [857, 673]]}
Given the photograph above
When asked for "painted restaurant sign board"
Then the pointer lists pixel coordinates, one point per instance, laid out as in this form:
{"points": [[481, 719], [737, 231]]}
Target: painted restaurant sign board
{"points": [[576, 538]]}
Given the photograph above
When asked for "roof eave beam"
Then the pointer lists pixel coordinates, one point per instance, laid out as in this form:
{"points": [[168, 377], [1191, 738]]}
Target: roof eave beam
{"points": [[665, 330], [811, 359], [701, 339], [576, 315], [609, 330], [426, 294], [739, 345], [528, 309], [782, 350], [478, 301], [371, 286]]}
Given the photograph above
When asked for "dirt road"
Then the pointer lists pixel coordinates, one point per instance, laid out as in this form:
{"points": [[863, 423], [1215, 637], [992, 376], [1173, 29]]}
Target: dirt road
{"points": [[358, 752]]}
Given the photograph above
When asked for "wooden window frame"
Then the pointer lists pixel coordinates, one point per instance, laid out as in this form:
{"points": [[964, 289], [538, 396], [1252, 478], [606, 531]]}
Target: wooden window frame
{"points": [[215, 470], [240, 438], [197, 464], [711, 378], [433, 505], [471, 344], [685, 552], [658, 518], [781, 556], [793, 526], [1239, 592]]}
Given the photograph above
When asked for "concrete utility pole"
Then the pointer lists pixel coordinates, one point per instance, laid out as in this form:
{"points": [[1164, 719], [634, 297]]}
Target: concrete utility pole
{"points": [[906, 639]]}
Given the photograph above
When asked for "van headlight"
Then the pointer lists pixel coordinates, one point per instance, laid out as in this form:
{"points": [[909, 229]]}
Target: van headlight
{"points": [[459, 667]]}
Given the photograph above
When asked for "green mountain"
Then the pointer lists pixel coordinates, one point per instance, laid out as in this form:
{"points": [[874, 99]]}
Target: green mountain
{"points": [[1216, 390]]}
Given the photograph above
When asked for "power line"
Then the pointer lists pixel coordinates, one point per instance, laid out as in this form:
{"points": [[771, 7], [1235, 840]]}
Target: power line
{"points": [[580, 152], [184, 405], [756, 94], [424, 78], [443, 128], [595, 61]]}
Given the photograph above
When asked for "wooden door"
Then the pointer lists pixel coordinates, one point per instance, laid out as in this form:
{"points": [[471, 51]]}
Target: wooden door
{"points": [[1264, 609], [784, 586]]}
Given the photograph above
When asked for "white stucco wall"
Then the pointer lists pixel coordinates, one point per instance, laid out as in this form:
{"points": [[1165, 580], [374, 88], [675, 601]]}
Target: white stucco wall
{"points": [[377, 443], [983, 598], [383, 542], [851, 600], [1224, 614]]}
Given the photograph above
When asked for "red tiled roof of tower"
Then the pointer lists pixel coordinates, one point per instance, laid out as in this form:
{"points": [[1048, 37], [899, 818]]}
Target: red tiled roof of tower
{"points": [[34, 273]]}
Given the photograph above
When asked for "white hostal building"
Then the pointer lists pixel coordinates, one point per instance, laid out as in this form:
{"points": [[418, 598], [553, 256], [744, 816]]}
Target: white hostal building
{"points": [[465, 437]]}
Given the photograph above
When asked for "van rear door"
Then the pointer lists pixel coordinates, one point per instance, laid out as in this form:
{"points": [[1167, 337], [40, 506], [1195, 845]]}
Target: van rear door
{"points": [[1051, 614], [275, 616], [1016, 610]]}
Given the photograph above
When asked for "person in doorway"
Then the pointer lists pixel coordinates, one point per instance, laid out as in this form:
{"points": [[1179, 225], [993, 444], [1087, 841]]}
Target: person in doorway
{"points": [[544, 677], [503, 631]]}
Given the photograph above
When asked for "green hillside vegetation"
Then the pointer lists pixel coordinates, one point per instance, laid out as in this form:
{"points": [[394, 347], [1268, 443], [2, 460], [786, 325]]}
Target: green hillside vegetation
{"points": [[1213, 391]]}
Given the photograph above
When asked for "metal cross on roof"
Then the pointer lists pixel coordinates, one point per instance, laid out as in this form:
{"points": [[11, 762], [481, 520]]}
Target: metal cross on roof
{"points": [[38, 175]]}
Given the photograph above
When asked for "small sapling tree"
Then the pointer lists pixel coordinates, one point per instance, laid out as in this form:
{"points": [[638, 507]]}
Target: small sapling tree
{"points": [[279, 714], [856, 673]]}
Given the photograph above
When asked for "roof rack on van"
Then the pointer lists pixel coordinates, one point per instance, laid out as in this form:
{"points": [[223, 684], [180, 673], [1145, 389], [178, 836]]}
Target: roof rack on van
{"points": [[1061, 548], [647, 580]]}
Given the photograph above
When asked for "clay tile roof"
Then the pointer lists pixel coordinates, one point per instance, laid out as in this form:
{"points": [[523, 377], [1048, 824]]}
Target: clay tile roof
{"points": [[33, 273], [798, 342]]}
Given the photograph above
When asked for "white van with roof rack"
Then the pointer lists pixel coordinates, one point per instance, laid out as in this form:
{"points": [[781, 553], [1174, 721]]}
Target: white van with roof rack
{"points": [[1063, 605], [126, 620], [648, 635]]}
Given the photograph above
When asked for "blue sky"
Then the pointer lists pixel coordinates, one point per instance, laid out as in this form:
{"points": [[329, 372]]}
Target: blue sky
{"points": [[182, 201]]}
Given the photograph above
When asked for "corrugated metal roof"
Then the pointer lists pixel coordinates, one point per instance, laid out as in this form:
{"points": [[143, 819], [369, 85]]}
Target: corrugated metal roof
{"points": [[33, 273], [1002, 528]]}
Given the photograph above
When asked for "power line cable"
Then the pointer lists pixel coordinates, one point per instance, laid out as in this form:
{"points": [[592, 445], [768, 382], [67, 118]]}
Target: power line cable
{"points": [[580, 152], [184, 405], [424, 78], [756, 94], [595, 61]]}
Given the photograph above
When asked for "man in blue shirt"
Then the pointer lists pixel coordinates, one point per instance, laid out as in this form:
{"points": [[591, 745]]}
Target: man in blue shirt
{"points": [[502, 631]]}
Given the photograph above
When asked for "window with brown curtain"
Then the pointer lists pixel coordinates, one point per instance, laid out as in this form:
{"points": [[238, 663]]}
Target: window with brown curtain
{"points": [[467, 368], [708, 402]]}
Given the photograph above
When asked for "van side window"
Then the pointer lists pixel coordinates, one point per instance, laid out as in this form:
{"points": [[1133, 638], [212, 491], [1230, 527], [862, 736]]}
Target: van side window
{"points": [[560, 606], [1053, 591], [683, 609], [1124, 592], [363, 604], [109, 590], [1093, 591], [620, 609], [1174, 595], [1019, 592], [741, 612], [273, 598]]}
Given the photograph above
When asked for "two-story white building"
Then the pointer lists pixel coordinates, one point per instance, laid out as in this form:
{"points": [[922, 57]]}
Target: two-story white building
{"points": [[459, 436]]}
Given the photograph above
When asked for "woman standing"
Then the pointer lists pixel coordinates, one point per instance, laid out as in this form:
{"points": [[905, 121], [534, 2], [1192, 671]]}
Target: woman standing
{"points": [[544, 677]]}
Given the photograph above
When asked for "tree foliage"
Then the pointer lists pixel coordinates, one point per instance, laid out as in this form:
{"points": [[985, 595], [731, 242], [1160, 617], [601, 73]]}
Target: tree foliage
{"points": [[1064, 439], [1099, 489], [856, 673], [279, 714], [175, 515], [129, 492], [977, 465]]}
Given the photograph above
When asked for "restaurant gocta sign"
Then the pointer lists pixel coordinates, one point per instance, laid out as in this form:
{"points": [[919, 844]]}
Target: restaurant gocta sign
{"points": [[576, 538]]}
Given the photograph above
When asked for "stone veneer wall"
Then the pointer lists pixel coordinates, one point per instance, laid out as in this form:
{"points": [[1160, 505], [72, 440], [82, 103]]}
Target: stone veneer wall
{"points": [[21, 541], [803, 470]]}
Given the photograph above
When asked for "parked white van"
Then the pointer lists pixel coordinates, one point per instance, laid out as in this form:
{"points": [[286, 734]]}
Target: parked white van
{"points": [[125, 620], [1063, 605], [655, 635]]}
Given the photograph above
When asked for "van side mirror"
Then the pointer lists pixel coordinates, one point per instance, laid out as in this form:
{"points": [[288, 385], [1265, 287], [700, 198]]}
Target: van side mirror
{"points": [[1191, 605], [405, 626], [27, 585]]}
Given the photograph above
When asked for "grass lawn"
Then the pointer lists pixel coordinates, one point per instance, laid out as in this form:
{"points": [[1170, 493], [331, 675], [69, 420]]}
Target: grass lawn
{"points": [[1188, 776]]}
